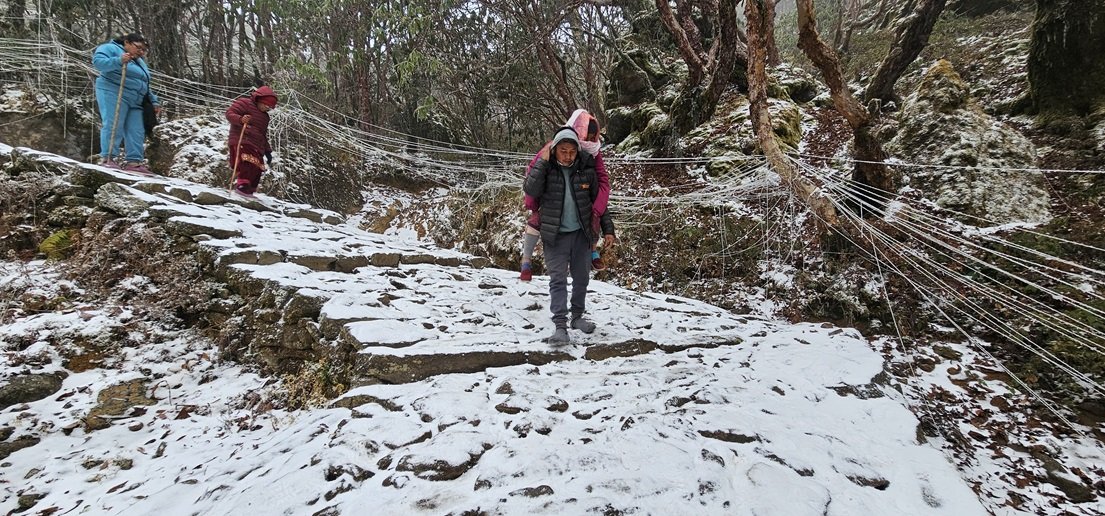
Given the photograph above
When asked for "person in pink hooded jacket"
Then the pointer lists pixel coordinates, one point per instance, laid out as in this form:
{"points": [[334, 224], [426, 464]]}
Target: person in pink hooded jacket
{"points": [[587, 129]]}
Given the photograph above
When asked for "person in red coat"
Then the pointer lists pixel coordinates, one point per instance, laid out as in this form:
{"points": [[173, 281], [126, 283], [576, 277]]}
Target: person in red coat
{"points": [[251, 115]]}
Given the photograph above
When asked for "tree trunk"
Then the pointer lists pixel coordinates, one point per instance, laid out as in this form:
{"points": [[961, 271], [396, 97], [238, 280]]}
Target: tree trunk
{"points": [[838, 26], [761, 118], [695, 65], [911, 39], [243, 44], [851, 10], [365, 92], [730, 52], [14, 21], [226, 61], [266, 50], [160, 24], [697, 102], [769, 38], [1066, 71], [869, 170]]}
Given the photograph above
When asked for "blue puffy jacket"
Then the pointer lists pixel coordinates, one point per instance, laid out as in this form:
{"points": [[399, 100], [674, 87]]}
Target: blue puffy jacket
{"points": [[108, 60]]}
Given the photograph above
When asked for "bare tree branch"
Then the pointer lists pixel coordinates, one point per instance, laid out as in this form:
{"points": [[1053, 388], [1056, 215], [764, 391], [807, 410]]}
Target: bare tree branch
{"points": [[869, 169], [695, 65]]}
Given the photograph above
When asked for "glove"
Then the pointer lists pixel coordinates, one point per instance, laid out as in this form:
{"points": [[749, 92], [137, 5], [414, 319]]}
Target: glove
{"points": [[268, 158]]}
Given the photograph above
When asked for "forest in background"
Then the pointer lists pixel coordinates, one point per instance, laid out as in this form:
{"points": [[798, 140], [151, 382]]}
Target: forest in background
{"points": [[481, 73]]}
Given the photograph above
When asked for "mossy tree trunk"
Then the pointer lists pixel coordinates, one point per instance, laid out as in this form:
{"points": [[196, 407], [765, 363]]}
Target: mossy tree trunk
{"points": [[1066, 59], [758, 26], [709, 69]]}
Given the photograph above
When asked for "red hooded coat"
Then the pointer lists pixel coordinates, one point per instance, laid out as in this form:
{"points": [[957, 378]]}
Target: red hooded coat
{"points": [[256, 140]]}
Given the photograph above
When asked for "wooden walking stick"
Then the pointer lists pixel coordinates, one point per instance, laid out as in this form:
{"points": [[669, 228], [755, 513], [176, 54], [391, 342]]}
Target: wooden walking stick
{"points": [[115, 118], [237, 157]]}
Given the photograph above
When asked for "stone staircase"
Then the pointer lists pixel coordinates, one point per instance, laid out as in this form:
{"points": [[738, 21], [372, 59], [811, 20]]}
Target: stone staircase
{"points": [[301, 284]]}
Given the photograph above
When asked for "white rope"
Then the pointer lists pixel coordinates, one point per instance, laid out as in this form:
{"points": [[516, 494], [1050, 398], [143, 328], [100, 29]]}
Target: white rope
{"points": [[936, 304], [924, 234], [980, 314], [894, 162]]}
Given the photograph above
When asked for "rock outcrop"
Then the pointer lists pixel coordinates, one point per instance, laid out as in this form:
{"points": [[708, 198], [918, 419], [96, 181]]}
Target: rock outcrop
{"points": [[970, 158]]}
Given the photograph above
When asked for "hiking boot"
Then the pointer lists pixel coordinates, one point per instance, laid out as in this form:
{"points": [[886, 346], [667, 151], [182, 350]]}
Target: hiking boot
{"points": [[559, 337], [111, 164], [527, 272], [583, 325], [137, 167]]}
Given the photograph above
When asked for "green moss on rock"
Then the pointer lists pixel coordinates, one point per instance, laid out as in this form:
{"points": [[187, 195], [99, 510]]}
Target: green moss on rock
{"points": [[942, 88], [940, 124], [59, 245]]}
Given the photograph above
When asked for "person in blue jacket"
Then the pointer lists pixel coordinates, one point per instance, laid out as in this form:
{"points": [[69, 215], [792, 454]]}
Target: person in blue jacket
{"points": [[109, 59]]}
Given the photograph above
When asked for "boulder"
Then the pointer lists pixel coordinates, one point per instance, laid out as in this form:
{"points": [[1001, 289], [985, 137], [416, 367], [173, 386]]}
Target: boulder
{"points": [[8, 448], [446, 456], [95, 177], [183, 226], [29, 387], [116, 402], [69, 216], [799, 85], [940, 124], [121, 200]]}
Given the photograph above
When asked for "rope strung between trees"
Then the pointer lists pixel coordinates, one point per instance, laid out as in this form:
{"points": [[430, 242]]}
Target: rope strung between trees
{"points": [[939, 301], [946, 290], [199, 98]]}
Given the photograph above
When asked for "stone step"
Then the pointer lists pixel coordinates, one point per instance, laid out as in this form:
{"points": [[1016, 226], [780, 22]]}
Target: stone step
{"points": [[372, 367]]}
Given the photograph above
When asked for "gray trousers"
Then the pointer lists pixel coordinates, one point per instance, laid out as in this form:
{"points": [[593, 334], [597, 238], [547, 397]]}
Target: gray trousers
{"points": [[571, 252]]}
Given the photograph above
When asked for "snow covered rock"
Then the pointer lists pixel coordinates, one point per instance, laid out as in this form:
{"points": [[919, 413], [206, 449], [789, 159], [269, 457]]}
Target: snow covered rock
{"points": [[974, 157], [121, 200]]}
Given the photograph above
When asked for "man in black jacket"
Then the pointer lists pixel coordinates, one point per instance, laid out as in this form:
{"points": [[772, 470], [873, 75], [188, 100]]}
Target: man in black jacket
{"points": [[566, 185]]}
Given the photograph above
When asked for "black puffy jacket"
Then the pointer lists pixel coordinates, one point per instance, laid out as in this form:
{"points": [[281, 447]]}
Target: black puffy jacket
{"points": [[546, 183]]}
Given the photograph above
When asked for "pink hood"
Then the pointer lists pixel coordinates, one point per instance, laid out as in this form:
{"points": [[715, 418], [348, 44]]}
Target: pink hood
{"points": [[579, 121]]}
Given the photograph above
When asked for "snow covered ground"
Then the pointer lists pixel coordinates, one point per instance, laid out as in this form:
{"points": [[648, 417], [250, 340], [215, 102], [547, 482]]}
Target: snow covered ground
{"points": [[786, 419], [766, 427]]}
